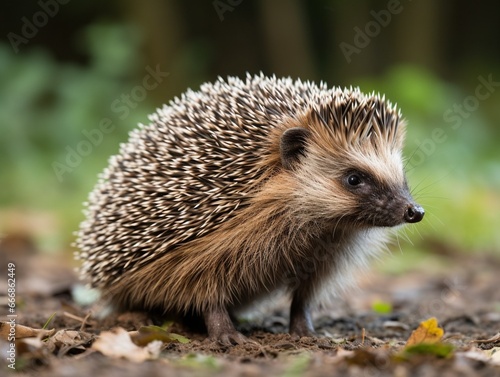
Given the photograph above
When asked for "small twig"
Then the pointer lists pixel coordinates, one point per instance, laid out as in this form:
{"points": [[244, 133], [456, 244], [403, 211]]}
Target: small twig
{"points": [[494, 339], [85, 320], [79, 319]]}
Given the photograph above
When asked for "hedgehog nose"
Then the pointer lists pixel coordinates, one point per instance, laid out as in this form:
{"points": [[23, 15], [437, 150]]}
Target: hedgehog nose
{"points": [[414, 213]]}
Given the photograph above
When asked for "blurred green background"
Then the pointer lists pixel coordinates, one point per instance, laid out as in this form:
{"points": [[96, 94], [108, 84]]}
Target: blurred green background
{"points": [[68, 66]]}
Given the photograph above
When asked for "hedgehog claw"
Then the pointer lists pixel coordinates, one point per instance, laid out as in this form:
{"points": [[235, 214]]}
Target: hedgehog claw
{"points": [[221, 329], [233, 338]]}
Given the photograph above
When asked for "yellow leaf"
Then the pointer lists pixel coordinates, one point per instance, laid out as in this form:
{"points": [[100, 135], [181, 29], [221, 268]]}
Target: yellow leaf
{"points": [[427, 332]]}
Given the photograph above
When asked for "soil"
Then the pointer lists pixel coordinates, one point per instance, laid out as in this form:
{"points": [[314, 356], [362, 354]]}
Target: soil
{"points": [[362, 334]]}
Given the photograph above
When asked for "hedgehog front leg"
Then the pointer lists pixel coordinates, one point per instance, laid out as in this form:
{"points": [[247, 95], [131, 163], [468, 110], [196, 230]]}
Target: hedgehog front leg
{"points": [[221, 328], [300, 315]]}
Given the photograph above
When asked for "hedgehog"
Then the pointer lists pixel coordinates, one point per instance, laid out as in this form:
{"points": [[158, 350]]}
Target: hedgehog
{"points": [[245, 188]]}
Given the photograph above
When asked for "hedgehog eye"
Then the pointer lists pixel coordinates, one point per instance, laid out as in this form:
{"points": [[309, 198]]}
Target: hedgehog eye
{"points": [[354, 180]]}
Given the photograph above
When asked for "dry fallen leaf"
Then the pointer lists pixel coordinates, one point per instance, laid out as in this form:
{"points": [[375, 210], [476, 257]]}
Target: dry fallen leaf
{"points": [[342, 355], [66, 340], [427, 332], [19, 331], [33, 348], [491, 356], [494, 355], [396, 325], [117, 343], [66, 337]]}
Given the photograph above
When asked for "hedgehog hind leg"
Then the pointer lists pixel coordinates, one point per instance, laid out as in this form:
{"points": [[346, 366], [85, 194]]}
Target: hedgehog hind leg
{"points": [[300, 315], [221, 328]]}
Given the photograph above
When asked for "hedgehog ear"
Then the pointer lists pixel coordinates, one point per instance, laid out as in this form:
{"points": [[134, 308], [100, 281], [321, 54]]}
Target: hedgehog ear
{"points": [[293, 145]]}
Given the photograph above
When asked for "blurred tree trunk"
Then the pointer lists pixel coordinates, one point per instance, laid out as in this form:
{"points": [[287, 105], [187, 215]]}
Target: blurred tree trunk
{"points": [[162, 25], [419, 34], [286, 39], [344, 18], [414, 35]]}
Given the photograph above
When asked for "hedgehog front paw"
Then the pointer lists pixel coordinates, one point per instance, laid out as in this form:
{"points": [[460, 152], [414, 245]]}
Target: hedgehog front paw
{"points": [[231, 338], [301, 325], [221, 329], [300, 318], [298, 331]]}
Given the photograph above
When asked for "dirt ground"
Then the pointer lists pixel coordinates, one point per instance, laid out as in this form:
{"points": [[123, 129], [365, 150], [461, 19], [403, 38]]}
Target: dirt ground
{"points": [[362, 334]]}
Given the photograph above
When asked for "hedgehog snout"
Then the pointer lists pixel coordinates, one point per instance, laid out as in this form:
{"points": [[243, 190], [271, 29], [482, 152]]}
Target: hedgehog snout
{"points": [[414, 213], [393, 209]]}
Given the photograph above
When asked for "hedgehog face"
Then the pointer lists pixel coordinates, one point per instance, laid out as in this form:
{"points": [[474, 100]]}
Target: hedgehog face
{"points": [[374, 179], [380, 203], [359, 183]]}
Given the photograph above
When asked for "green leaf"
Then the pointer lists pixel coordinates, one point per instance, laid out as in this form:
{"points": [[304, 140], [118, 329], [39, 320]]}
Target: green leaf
{"points": [[147, 334], [49, 320], [382, 307], [180, 338], [196, 360], [298, 365], [436, 349]]}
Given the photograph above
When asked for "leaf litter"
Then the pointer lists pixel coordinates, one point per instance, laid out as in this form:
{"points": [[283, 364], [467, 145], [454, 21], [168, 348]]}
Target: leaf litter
{"points": [[388, 327]]}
